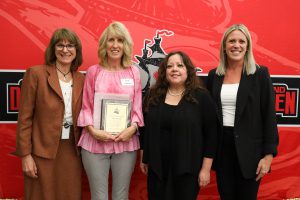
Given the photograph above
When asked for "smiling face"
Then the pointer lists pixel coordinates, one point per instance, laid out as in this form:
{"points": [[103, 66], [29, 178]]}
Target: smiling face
{"points": [[176, 72], [114, 47], [236, 46], [65, 53]]}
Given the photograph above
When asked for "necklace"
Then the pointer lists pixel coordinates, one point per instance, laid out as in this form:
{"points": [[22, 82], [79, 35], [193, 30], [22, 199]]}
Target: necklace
{"points": [[64, 74], [175, 94]]}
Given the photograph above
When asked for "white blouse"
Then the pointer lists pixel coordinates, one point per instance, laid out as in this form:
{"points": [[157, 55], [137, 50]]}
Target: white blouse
{"points": [[66, 89], [228, 101]]}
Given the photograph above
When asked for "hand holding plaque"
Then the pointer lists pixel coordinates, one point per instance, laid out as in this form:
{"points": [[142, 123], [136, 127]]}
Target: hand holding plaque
{"points": [[115, 115]]}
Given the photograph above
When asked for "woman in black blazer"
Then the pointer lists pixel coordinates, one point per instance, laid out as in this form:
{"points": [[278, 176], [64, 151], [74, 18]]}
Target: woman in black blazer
{"points": [[180, 136], [244, 96]]}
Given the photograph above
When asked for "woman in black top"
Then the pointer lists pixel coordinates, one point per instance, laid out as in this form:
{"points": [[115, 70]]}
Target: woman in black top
{"points": [[244, 94], [179, 140]]}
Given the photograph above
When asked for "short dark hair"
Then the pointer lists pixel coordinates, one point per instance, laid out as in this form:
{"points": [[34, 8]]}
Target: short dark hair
{"points": [[61, 35]]}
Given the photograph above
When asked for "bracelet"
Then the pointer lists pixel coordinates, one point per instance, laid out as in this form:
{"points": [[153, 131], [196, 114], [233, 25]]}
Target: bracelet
{"points": [[135, 126]]}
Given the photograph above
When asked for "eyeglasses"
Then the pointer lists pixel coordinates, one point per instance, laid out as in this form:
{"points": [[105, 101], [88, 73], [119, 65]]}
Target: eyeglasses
{"points": [[69, 47]]}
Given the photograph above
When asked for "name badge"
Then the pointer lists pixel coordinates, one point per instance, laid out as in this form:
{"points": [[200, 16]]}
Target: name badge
{"points": [[65, 132], [127, 81]]}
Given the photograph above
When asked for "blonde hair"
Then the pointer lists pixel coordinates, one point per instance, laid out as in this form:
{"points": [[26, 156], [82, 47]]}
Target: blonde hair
{"points": [[249, 66], [119, 30]]}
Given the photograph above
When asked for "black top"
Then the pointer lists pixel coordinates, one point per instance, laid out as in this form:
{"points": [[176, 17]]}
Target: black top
{"points": [[165, 141], [166, 116], [193, 135]]}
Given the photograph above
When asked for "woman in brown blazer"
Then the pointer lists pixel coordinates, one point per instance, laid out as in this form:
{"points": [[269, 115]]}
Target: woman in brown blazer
{"points": [[47, 132]]}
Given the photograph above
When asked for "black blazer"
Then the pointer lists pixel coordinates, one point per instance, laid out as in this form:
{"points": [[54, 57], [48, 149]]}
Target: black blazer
{"points": [[255, 127], [194, 135]]}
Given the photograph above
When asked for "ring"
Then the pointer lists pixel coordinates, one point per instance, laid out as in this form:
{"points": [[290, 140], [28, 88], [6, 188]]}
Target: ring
{"points": [[264, 169]]}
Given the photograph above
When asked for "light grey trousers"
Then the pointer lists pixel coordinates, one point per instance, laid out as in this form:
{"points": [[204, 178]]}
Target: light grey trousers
{"points": [[97, 169]]}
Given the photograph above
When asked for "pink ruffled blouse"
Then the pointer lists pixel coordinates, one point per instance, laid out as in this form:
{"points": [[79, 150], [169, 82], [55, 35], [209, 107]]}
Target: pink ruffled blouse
{"points": [[101, 81]]}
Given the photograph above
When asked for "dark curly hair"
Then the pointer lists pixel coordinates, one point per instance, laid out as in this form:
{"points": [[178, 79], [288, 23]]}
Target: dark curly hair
{"points": [[160, 88]]}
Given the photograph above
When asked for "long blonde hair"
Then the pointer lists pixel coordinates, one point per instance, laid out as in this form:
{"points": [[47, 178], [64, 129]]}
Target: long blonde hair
{"points": [[117, 29], [249, 61]]}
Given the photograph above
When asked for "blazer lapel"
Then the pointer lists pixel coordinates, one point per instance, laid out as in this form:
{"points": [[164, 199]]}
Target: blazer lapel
{"points": [[53, 80], [242, 96], [218, 81], [77, 88]]}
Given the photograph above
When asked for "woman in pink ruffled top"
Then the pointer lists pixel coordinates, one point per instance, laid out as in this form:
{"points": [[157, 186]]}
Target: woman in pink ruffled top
{"points": [[114, 78]]}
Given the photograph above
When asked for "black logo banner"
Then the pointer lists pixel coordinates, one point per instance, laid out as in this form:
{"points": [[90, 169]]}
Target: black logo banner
{"points": [[286, 95], [10, 88]]}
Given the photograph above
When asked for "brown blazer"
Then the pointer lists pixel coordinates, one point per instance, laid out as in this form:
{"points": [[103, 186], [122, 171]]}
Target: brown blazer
{"points": [[42, 110]]}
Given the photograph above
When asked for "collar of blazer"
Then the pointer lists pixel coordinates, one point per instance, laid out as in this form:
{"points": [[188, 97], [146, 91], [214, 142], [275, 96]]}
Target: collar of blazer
{"points": [[242, 95], [54, 84]]}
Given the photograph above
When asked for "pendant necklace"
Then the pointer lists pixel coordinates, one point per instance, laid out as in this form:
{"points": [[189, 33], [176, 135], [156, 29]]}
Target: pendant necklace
{"points": [[64, 74]]}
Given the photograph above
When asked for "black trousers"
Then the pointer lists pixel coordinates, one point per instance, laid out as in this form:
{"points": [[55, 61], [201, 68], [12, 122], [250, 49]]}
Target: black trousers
{"points": [[173, 187], [231, 183]]}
